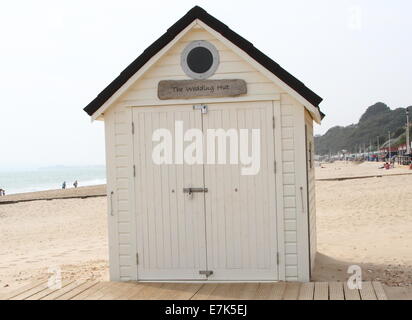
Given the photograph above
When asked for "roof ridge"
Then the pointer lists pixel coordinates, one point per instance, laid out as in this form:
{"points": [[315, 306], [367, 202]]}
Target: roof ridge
{"points": [[194, 13]]}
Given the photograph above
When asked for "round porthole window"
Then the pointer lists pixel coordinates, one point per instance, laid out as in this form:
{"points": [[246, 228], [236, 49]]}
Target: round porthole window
{"points": [[200, 59]]}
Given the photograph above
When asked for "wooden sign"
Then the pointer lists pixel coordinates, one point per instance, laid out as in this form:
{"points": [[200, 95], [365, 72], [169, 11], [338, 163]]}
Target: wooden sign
{"points": [[186, 89]]}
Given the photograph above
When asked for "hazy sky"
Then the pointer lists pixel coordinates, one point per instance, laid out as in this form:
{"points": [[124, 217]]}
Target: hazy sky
{"points": [[56, 56]]}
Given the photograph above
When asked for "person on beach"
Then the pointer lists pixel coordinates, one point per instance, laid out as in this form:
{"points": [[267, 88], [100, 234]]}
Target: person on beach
{"points": [[75, 184], [64, 185], [2, 192]]}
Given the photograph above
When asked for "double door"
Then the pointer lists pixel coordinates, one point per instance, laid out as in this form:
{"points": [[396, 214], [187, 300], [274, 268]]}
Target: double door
{"points": [[200, 214]]}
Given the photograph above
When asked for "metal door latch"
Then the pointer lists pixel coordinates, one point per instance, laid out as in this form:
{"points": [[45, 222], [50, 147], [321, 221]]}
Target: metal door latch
{"points": [[190, 191], [201, 107], [206, 273]]}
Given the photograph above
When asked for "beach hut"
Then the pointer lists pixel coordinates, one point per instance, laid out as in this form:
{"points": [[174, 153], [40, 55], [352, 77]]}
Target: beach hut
{"points": [[172, 215]]}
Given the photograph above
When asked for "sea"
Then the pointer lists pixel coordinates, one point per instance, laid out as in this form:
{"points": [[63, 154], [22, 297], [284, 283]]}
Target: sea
{"points": [[50, 178]]}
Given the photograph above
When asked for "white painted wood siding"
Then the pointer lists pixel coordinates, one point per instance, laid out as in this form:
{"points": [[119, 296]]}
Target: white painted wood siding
{"points": [[311, 188], [144, 91], [122, 246], [294, 198]]}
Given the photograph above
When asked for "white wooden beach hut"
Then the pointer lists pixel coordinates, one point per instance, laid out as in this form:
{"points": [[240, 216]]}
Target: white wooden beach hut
{"points": [[208, 222]]}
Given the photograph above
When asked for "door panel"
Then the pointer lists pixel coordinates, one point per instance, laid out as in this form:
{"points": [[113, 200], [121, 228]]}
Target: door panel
{"points": [[170, 225], [240, 209], [231, 229]]}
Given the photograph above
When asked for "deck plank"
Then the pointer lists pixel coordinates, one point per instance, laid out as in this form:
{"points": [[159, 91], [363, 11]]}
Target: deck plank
{"points": [[93, 290], [18, 291], [63, 290], [291, 291], [379, 291], [336, 291], [367, 292], [90, 291], [205, 291], [321, 291], [350, 294], [306, 291], [49, 291], [78, 290], [178, 291], [108, 288], [271, 291], [147, 291], [135, 288], [26, 294], [249, 291], [123, 289], [225, 291]]}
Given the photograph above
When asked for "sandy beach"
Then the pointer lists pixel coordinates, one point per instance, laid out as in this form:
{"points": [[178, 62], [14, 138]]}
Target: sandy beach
{"points": [[366, 222]]}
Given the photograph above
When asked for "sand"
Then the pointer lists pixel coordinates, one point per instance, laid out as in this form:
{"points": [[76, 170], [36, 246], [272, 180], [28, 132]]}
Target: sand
{"points": [[367, 222], [70, 234]]}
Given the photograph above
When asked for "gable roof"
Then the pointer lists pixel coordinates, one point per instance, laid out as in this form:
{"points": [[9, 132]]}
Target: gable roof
{"points": [[193, 14]]}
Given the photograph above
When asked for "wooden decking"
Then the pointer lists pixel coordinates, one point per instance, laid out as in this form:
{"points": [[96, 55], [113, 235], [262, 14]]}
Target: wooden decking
{"points": [[94, 290]]}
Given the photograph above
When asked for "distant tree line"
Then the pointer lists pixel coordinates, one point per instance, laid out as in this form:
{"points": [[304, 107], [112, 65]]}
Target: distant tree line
{"points": [[372, 127]]}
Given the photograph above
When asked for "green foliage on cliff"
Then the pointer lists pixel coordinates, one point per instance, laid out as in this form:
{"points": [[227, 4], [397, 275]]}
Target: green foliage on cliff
{"points": [[377, 121]]}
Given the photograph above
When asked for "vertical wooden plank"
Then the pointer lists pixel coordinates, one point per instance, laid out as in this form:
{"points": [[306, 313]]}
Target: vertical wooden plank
{"points": [[350, 294], [278, 190], [379, 291], [367, 292], [262, 228], [307, 291], [251, 212], [235, 204], [244, 204], [321, 291], [336, 291], [141, 198], [165, 190], [150, 185], [173, 201], [181, 201], [292, 291], [270, 192]]}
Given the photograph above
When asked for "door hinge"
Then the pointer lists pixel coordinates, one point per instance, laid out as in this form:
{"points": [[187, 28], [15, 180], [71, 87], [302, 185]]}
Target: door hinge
{"points": [[206, 273], [274, 122], [134, 171], [132, 127], [277, 258], [137, 258]]}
